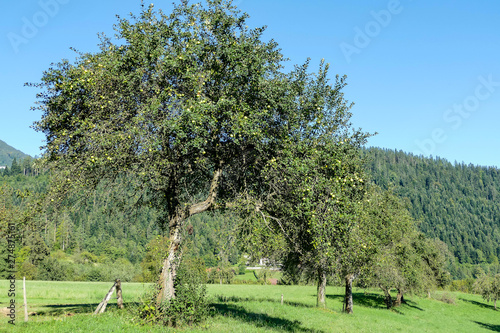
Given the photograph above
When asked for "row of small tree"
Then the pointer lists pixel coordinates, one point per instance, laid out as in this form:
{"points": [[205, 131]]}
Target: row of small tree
{"points": [[330, 222]]}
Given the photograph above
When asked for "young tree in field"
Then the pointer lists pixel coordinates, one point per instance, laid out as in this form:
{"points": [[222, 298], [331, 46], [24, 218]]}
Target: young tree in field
{"points": [[379, 222], [384, 222], [488, 287], [360, 245], [434, 254], [421, 265], [190, 105], [310, 198], [406, 261]]}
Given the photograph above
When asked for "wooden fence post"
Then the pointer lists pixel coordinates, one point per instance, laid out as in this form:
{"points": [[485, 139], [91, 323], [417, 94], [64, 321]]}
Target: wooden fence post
{"points": [[119, 301], [25, 302]]}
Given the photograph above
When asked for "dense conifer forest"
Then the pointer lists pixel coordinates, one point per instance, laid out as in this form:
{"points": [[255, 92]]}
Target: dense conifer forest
{"points": [[454, 202]]}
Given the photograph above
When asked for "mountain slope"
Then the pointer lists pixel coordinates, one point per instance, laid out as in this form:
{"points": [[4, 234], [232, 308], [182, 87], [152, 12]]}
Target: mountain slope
{"points": [[457, 203], [8, 153]]}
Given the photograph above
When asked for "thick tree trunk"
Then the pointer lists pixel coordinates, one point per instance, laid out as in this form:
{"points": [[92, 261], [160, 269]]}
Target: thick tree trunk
{"points": [[348, 304], [399, 298], [321, 302], [388, 298], [174, 255], [170, 264], [495, 303]]}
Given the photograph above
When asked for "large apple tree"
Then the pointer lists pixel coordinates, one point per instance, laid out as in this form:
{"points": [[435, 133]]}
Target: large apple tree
{"points": [[190, 105]]}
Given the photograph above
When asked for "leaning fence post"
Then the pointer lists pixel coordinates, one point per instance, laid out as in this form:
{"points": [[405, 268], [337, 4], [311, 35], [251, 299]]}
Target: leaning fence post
{"points": [[102, 306]]}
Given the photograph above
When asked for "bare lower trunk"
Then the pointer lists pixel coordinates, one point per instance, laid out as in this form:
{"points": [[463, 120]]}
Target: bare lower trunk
{"points": [[348, 304], [495, 303], [399, 298], [321, 289], [172, 261], [170, 264], [388, 298]]}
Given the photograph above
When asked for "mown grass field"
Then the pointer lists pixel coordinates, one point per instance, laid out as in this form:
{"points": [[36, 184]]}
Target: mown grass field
{"points": [[68, 307]]}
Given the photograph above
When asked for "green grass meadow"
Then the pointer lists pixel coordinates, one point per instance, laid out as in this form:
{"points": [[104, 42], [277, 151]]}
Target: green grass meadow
{"points": [[68, 307], [249, 275]]}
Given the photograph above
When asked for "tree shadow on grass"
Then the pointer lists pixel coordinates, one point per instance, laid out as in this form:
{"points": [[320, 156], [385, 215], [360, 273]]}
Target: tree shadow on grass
{"points": [[374, 301], [412, 305], [65, 309], [260, 319], [368, 300], [483, 305], [236, 299], [494, 328]]}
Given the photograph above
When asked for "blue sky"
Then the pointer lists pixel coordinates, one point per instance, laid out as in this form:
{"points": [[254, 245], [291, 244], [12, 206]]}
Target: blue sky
{"points": [[424, 75]]}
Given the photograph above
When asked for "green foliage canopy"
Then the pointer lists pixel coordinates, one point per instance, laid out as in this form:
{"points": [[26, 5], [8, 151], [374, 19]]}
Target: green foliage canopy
{"points": [[179, 98]]}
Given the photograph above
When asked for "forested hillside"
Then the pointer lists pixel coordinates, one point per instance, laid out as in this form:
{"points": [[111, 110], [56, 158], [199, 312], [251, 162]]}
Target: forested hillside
{"points": [[112, 226], [456, 203], [8, 154]]}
